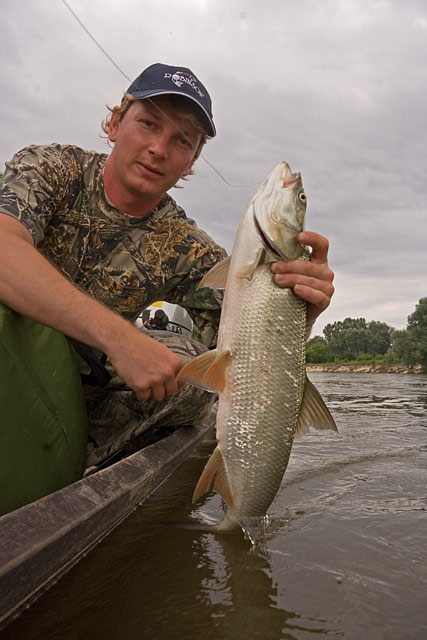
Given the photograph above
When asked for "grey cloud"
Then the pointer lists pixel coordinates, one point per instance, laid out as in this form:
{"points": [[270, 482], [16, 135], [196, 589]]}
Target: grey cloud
{"points": [[337, 89]]}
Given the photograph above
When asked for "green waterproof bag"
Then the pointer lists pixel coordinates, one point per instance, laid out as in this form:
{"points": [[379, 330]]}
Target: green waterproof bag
{"points": [[43, 421]]}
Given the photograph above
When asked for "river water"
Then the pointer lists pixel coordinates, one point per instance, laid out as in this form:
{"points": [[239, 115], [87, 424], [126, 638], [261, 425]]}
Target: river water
{"points": [[344, 554]]}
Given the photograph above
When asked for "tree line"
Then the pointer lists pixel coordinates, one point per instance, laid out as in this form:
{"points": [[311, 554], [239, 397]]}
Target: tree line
{"points": [[354, 339]]}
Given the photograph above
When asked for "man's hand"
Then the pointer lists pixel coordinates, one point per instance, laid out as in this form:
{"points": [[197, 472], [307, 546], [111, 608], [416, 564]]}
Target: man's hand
{"points": [[312, 280], [147, 366]]}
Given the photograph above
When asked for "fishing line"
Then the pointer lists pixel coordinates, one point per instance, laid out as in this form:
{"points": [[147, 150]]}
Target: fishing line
{"points": [[101, 48], [95, 41]]}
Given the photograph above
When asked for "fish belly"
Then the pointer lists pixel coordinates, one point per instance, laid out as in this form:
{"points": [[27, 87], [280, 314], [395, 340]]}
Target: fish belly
{"points": [[259, 407]]}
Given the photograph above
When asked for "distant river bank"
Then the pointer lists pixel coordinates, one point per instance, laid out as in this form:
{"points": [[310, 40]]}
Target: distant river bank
{"points": [[364, 367]]}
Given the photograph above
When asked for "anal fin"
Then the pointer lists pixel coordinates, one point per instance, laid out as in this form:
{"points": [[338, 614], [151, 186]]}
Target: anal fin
{"points": [[313, 413], [247, 270], [214, 476]]}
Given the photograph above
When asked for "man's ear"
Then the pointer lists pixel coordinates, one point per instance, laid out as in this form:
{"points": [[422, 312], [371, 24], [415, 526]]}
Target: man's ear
{"points": [[189, 169], [113, 126]]}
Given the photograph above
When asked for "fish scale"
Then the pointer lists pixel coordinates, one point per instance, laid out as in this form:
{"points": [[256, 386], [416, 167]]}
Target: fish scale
{"points": [[257, 419], [258, 368]]}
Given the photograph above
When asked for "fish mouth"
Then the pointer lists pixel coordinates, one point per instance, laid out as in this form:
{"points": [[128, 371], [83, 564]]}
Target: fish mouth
{"points": [[288, 180]]}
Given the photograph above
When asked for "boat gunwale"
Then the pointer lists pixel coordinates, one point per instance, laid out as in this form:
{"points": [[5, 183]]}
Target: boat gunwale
{"points": [[41, 541]]}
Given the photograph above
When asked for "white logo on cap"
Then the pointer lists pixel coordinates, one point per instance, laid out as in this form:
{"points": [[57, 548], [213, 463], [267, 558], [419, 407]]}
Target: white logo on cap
{"points": [[175, 79], [179, 78]]}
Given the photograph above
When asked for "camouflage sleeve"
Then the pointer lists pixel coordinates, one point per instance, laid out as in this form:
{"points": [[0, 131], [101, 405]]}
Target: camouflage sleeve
{"points": [[37, 182], [203, 305]]}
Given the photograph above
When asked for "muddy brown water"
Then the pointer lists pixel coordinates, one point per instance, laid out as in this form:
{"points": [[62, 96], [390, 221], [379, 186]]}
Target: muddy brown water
{"points": [[344, 554]]}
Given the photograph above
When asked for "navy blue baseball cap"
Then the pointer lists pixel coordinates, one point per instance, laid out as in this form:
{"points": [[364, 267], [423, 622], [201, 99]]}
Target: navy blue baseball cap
{"points": [[161, 79]]}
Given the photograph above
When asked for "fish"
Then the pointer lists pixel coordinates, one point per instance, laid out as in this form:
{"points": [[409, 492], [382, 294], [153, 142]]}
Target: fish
{"points": [[258, 367]]}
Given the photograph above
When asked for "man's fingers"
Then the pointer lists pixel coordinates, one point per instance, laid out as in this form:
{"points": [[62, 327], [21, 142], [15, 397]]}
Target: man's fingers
{"points": [[158, 392], [315, 296], [304, 278], [171, 388], [310, 279], [317, 270], [319, 245], [143, 395]]}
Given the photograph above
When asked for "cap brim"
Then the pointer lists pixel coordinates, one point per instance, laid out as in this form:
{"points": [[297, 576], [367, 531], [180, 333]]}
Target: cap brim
{"points": [[211, 131]]}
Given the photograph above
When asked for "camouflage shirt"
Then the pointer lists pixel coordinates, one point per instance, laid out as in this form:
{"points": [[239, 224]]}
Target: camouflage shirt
{"points": [[125, 262]]}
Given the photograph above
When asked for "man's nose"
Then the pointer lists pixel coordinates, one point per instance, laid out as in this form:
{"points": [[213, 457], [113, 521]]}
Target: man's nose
{"points": [[159, 145]]}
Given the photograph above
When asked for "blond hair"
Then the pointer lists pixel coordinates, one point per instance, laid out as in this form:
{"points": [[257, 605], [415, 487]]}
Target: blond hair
{"points": [[181, 105]]}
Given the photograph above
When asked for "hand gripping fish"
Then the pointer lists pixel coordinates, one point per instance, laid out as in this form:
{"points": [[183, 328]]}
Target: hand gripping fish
{"points": [[258, 368]]}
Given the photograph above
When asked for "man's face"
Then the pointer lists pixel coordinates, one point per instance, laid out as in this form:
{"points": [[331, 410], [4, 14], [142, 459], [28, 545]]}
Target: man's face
{"points": [[152, 149]]}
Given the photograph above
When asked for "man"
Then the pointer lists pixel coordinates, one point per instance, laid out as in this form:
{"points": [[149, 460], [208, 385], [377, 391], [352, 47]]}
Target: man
{"points": [[88, 241]]}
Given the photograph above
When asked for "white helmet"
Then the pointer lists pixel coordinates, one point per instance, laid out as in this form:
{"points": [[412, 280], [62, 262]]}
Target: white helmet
{"points": [[178, 319]]}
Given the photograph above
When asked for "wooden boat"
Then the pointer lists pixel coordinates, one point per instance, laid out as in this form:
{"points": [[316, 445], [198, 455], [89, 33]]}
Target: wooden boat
{"points": [[42, 540]]}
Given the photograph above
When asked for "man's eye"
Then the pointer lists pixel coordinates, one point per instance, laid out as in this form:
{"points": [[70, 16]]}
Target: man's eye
{"points": [[185, 143]]}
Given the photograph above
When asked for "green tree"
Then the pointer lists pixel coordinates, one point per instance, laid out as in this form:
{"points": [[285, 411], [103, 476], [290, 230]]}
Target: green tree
{"points": [[318, 351], [411, 343], [417, 328], [354, 337], [379, 337], [347, 338], [418, 320], [404, 346]]}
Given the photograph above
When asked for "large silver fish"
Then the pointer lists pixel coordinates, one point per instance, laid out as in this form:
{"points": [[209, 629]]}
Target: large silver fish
{"points": [[258, 368]]}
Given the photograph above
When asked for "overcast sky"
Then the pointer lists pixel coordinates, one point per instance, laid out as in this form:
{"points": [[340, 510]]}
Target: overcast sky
{"points": [[337, 88]]}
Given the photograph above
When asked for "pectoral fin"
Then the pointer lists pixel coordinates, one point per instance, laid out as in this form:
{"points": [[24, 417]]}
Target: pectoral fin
{"points": [[216, 278], [248, 270], [214, 476], [206, 371], [313, 413]]}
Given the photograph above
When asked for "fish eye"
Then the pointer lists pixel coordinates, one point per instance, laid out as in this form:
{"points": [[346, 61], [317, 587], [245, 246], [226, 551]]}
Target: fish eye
{"points": [[302, 197]]}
